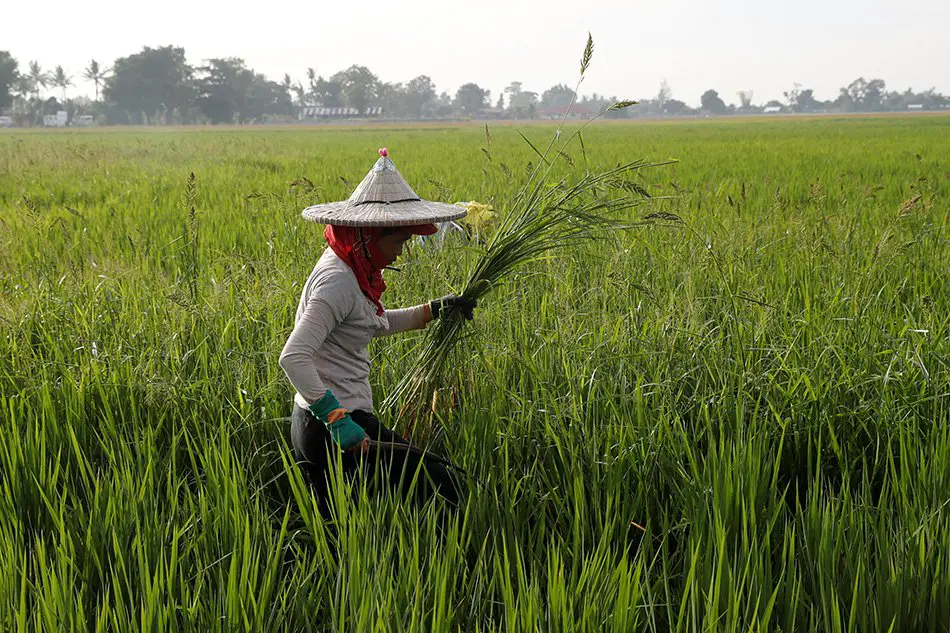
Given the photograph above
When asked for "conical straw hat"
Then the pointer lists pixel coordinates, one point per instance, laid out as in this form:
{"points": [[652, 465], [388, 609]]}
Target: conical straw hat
{"points": [[384, 198]]}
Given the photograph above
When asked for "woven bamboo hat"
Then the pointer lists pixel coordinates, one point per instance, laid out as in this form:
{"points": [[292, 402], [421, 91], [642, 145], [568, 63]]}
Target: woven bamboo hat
{"points": [[384, 198]]}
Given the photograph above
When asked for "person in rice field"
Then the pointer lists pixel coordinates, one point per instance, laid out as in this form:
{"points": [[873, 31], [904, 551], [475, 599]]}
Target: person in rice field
{"points": [[326, 357]]}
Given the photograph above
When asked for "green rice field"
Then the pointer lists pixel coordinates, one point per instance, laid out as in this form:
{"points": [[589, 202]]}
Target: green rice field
{"points": [[734, 421]]}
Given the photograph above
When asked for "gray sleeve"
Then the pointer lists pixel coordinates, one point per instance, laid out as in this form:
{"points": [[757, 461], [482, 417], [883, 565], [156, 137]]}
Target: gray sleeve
{"points": [[326, 308], [413, 318]]}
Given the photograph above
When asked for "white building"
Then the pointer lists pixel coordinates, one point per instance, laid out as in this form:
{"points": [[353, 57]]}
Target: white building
{"points": [[55, 120], [319, 112]]}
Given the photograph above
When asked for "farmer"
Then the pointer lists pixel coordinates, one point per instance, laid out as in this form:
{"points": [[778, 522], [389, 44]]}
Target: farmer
{"points": [[326, 357]]}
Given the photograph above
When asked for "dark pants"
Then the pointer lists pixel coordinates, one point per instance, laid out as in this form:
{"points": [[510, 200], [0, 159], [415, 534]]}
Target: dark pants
{"points": [[388, 464]]}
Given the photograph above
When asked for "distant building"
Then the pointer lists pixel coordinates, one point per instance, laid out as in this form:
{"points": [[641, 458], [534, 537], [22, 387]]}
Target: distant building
{"points": [[491, 113], [6, 121], [60, 119], [772, 109], [915, 106], [573, 112], [323, 112]]}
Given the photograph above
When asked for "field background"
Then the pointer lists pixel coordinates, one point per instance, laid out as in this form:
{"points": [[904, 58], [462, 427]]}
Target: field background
{"points": [[738, 423]]}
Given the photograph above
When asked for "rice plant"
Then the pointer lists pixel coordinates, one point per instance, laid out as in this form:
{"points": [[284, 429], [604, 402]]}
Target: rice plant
{"points": [[743, 427]]}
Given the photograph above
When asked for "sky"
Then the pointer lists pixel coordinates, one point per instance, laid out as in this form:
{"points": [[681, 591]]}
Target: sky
{"points": [[726, 45]]}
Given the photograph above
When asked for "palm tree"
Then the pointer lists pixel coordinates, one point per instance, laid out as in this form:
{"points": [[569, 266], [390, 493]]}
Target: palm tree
{"points": [[60, 80], [23, 87], [38, 79], [312, 79], [95, 74]]}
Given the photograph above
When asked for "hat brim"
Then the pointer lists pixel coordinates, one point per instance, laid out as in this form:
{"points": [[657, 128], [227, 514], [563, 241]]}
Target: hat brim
{"points": [[421, 229], [387, 214]]}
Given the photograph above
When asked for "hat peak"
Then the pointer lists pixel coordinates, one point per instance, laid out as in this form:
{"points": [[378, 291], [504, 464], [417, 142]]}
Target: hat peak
{"points": [[384, 184], [384, 164]]}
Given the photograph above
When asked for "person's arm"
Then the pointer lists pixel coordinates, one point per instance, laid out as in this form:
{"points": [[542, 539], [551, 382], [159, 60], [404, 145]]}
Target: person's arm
{"points": [[309, 333], [418, 317], [402, 320], [324, 311]]}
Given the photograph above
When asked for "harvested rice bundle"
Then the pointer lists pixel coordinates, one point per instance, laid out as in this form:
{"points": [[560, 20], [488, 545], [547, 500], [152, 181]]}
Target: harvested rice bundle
{"points": [[543, 216]]}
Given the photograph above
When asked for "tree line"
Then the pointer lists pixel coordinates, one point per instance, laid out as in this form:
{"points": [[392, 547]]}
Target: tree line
{"points": [[158, 86]]}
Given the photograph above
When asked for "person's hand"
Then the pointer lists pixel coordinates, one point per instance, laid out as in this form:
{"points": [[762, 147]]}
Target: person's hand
{"points": [[345, 432], [453, 302], [349, 435]]}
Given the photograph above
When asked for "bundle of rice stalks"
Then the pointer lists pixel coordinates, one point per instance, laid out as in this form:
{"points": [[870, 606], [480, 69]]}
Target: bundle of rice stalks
{"points": [[542, 217]]}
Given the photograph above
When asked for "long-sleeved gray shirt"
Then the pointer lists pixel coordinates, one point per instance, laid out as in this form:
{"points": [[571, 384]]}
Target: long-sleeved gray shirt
{"points": [[329, 345]]}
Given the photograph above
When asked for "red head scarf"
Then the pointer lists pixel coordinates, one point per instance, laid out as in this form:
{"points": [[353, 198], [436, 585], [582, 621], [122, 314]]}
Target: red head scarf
{"points": [[358, 247]]}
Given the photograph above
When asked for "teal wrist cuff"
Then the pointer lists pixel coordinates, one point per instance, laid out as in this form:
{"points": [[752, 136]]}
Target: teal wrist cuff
{"points": [[322, 407]]}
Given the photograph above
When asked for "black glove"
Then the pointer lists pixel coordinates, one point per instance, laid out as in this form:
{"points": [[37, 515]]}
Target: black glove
{"points": [[467, 306]]}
